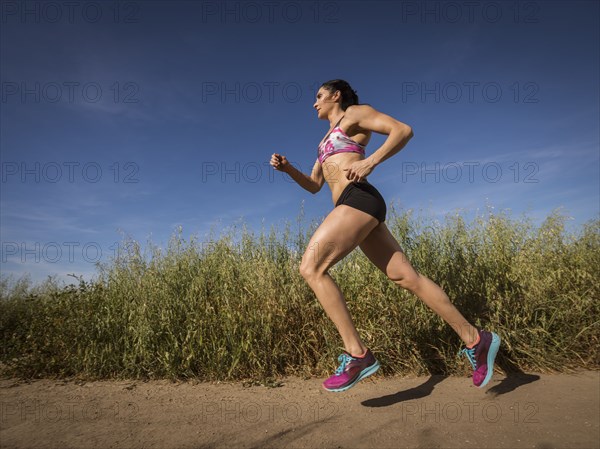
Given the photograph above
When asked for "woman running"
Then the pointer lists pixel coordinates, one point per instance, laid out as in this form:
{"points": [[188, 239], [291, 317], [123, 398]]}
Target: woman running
{"points": [[358, 220]]}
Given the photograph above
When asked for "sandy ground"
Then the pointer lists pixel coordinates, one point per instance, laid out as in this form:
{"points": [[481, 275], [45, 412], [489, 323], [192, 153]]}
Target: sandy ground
{"points": [[520, 411]]}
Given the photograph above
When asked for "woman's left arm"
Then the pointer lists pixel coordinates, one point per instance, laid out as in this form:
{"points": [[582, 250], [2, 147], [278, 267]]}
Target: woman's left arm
{"points": [[367, 117]]}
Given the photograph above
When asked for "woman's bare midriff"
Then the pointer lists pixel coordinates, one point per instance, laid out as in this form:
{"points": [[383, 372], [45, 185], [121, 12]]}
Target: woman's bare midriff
{"points": [[334, 174]]}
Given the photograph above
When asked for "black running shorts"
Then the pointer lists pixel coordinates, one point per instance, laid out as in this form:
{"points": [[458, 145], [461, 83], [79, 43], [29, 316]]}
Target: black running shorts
{"points": [[364, 196]]}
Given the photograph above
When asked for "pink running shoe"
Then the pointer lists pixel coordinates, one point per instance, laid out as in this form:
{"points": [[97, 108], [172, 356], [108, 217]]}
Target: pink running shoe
{"points": [[350, 371], [482, 357]]}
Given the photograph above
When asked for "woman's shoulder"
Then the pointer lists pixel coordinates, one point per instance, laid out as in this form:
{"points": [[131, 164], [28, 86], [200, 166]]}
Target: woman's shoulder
{"points": [[358, 110], [359, 107]]}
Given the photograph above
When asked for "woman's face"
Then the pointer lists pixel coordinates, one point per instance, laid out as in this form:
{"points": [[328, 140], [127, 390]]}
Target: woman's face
{"points": [[325, 102]]}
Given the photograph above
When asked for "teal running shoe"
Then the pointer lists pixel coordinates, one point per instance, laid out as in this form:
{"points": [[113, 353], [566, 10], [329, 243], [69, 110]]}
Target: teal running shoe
{"points": [[482, 356], [351, 371]]}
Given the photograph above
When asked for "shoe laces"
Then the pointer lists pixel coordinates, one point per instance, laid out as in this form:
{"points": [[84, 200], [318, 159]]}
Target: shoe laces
{"points": [[470, 353], [344, 359]]}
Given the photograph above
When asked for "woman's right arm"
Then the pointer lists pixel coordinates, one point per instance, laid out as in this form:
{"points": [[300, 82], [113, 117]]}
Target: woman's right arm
{"points": [[312, 183]]}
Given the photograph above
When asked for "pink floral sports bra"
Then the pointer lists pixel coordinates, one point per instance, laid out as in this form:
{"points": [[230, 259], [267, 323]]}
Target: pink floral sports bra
{"points": [[337, 141]]}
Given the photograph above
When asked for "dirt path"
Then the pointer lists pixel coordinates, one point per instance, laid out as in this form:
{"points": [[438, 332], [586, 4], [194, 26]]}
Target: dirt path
{"points": [[521, 411]]}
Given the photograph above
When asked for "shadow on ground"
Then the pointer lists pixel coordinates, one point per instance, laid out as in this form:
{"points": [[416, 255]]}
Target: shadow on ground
{"points": [[512, 382], [515, 378], [417, 392]]}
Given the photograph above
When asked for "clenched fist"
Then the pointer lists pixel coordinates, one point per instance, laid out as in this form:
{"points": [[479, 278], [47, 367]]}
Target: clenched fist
{"points": [[279, 162]]}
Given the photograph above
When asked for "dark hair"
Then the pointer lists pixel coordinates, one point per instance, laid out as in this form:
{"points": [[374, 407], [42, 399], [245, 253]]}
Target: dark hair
{"points": [[349, 96]]}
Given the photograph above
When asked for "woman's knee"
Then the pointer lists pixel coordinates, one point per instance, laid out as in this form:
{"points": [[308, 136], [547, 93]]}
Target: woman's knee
{"points": [[399, 270], [309, 269], [405, 278]]}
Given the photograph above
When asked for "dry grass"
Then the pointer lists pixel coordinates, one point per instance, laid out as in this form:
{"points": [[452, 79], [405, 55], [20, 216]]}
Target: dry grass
{"points": [[238, 308]]}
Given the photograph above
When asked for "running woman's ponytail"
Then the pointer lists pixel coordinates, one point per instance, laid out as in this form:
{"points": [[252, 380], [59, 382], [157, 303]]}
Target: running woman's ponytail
{"points": [[349, 96]]}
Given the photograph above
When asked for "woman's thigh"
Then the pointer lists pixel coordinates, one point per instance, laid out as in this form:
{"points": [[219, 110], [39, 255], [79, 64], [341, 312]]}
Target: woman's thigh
{"points": [[384, 251], [341, 231]]}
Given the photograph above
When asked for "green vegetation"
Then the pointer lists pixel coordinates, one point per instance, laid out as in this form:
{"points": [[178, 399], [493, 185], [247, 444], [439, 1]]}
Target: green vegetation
{"points": [[237, 308]]}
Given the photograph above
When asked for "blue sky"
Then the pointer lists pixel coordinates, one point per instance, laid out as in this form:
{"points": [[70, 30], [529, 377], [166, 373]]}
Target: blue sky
{"points": [[135, 118]]}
